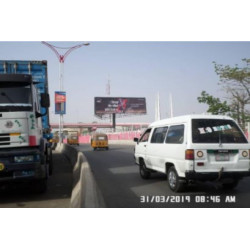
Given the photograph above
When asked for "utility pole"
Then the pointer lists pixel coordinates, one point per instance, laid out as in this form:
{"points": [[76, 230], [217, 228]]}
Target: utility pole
{"points": [[61, 59]]}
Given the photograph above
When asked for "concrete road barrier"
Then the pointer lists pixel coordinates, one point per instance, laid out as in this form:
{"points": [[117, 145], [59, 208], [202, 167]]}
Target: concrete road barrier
{"points": [[85, 192]]}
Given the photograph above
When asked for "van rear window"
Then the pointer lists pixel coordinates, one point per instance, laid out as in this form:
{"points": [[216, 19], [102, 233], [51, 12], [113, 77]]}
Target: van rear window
{"points": [[216, 131]]}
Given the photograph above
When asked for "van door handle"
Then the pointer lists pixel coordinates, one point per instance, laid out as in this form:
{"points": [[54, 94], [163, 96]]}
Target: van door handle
{"points": [[145, 145]]}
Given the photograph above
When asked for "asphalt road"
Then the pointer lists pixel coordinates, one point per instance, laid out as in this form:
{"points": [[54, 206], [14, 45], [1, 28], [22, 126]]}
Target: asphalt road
{"points": [[57, 195], [122, 187]]}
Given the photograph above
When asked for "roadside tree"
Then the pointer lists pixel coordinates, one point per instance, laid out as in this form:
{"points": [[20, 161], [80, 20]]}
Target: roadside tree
{"points": [[236, 83]]}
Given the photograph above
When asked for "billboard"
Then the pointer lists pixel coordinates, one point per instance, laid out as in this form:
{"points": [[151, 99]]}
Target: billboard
{"points": [[60, 102], [120, 105]]}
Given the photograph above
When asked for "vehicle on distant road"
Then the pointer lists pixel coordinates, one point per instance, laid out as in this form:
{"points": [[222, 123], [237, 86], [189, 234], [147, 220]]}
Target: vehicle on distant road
{"points": [[73, 138], [55, 138], [99, 140], [194, 148]]}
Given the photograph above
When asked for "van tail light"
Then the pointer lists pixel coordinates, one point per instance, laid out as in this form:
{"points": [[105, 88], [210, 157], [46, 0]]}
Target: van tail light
{"points": [[189, 154], [245, 153]]}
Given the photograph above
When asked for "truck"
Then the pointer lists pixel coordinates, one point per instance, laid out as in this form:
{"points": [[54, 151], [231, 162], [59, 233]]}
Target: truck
{"points": [[25, 148]]}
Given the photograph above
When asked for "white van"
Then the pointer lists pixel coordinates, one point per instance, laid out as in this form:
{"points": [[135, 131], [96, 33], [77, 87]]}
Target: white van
{"points": [[194, 147]]}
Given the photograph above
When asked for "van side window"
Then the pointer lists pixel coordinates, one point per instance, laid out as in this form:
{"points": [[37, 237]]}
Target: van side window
{"points": [[159, 135], [175, 134], [145, 136]]}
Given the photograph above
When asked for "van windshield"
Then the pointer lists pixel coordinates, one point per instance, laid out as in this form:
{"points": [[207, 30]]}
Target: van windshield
{"points": [[216, 131]]}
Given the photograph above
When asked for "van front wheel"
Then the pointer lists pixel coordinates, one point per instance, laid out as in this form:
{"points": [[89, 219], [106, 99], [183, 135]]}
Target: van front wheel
{"points": [[144, 172], [174, 181]]}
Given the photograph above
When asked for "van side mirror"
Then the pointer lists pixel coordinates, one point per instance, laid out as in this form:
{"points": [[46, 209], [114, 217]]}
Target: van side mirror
{"points": [[45, 101], [136, 140]]}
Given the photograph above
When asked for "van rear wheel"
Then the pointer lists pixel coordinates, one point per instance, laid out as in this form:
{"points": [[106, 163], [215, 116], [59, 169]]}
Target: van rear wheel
{"points": [[174, 181], [144, 172]]}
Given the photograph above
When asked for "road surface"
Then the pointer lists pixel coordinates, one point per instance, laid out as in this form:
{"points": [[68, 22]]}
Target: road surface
{"points": [[122, 187]]}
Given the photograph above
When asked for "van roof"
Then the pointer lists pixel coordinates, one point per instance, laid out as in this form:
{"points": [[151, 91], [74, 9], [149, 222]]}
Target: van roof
{"points": [[186, 118]]}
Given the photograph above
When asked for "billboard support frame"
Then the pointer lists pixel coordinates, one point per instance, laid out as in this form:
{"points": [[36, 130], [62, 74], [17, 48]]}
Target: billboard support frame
{"points": [[114, 121]]}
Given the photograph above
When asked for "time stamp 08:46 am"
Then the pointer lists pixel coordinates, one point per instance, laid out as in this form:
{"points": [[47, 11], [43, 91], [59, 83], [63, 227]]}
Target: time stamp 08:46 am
{"points": [[188, 199]]}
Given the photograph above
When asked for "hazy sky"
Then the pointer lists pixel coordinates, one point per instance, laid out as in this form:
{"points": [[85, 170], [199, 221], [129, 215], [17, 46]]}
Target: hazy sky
{"points": [[136, 69]]}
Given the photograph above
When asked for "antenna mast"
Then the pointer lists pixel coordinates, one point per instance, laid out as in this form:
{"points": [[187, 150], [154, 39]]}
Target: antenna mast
{"points": [[108, 87]]}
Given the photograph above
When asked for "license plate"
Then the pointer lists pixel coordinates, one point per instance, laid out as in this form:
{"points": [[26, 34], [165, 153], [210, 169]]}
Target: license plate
{"points": [[24, 173], [222, 157]]}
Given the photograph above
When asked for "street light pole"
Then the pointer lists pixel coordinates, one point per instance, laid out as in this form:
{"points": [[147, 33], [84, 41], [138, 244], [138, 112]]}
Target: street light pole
{"points": [[61, 59]]}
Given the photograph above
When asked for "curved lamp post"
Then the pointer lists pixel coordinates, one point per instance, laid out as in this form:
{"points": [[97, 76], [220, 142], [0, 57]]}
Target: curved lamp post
{"points": [[61, 59]]}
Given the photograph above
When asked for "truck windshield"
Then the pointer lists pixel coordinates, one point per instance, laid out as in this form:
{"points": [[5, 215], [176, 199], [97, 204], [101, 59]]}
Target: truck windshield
{"points": [[216, 131], [15, 97]]}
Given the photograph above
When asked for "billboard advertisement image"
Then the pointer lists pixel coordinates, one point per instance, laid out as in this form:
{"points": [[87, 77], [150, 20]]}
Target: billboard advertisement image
{"points": [[60, 102], [120, 105]]}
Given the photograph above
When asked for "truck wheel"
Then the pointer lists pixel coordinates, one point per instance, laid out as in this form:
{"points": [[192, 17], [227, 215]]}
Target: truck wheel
{"points": [[40, 186], [49, 160], [144, 172], [174, 181], [230, 185], [50, 165]]}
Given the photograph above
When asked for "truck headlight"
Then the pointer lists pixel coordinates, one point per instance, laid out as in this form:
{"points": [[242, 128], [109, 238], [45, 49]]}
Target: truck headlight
{"points": [[24, 158]]}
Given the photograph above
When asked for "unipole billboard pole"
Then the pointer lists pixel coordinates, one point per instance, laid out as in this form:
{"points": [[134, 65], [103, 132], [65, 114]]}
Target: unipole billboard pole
{"points": [[61, 59], [114, 122]]}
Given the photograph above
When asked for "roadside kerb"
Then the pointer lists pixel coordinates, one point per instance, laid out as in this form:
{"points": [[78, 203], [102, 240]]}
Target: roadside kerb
{"points": [[85, 192]]}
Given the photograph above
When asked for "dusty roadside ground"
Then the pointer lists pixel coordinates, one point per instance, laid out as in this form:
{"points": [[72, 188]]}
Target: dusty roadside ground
{"points": [[57, 195]]}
